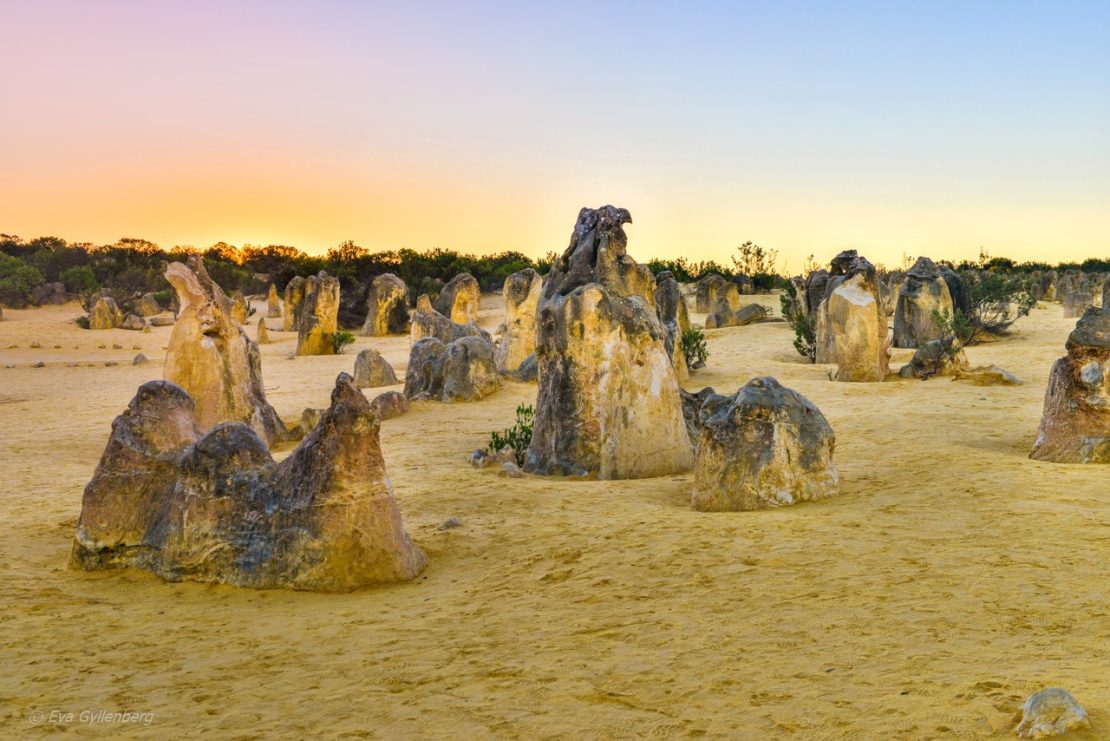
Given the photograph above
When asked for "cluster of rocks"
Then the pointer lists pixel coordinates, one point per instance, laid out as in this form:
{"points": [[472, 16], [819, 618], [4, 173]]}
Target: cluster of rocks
{"points": [[458, 301], [138, 313], [215, 507], [711, 290], [503, 460], [849, 303], [719, 299], [1075, 290], [426, 321]]}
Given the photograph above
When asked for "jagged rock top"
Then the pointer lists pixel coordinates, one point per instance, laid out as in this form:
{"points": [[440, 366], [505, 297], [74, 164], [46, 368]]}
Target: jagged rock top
{"points": [[840, 264], [924, 269], [215, 507], [519, 284], [1092, 330], [762, 398], [860, 265], [597, 254]]}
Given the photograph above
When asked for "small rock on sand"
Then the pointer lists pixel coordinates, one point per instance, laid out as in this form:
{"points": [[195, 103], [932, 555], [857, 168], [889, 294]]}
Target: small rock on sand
{"points": [[1051, 712], [511, 470]]}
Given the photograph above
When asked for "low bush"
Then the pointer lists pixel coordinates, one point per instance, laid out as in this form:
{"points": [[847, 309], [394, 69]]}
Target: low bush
{"points": [[518, 437], [805, 334], [694, 348], [341, 339]]}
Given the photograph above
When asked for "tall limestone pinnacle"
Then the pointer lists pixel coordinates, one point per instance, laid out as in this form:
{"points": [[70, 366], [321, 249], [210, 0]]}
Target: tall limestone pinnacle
{"points": [[609, 402]]}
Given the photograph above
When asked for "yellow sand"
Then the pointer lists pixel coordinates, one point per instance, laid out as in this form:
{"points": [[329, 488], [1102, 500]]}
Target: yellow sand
{"points": [[953, 577]]}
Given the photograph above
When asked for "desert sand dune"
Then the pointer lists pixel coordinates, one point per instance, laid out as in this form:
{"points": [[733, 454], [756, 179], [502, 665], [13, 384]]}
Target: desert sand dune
{"points": [[951, 578]]}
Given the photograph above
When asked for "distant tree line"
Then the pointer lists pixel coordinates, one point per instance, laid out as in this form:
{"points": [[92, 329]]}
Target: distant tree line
{"points": [[132, 266], [136, 266]]}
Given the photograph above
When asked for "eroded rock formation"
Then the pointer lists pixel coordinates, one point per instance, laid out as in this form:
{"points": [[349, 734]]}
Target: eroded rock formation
{"points": [[390, 404], [609, 401], [372, 370], [240, 309], [518, 338], [458, 301], [670, 307], [387, 310], [1080, 296], [427, 322], [765, 446], [318, 318], [937, 358], [105, 314], [294, 297], [212, 358], [827, 282], [147, 305], [1075, 424], [958, 288], [135, 323], [273, 303], [815, 291], [923, 292], [855, 322], [463, 370], [989, 375], [724, 316], [215, 507], [711, 289]]}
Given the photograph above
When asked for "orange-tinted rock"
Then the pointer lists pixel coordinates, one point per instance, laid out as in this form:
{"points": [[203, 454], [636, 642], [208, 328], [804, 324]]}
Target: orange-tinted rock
{"points": [[212, 358]]}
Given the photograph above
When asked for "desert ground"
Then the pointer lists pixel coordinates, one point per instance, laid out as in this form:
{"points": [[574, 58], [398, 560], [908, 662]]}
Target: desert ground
{"points": [[951, 578]]}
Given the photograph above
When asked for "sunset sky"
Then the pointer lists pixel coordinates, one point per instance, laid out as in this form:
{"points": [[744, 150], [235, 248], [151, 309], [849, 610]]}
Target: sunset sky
{"points": [[921, 128]]}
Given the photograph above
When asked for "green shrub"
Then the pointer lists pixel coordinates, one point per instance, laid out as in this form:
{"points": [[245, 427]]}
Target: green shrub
{"points": [[694, 347], [518, 437], [341, 339], [17, 281], [997, 301], [805, 334], [79, 279]]}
